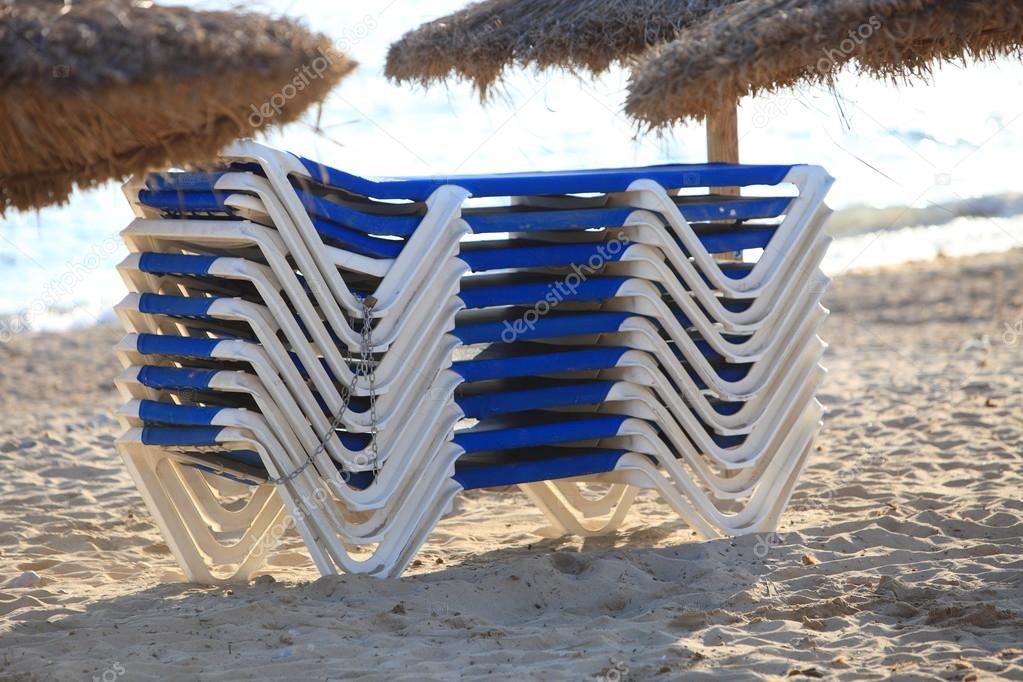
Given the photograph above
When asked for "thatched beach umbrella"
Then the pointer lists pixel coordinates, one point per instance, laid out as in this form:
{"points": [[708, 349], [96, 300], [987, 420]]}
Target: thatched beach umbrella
{"points": [[763, 45], [479, 42], [92, 90]]}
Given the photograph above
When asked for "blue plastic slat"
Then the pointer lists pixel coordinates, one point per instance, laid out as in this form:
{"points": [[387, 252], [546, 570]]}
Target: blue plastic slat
{"points": [[741, 208], [725, 372], [352, 240], [355, 441], [175, 263], [175, 378], [175, 306], [182, 182], [552, 183], [530, 293], [360, 479], [158, 344], [739, 239], [552, 326], [499, 255], [486, 405], [154, 411], [483, 439], [513, 220], [502, 256], [236, 477], [169, 436], [185, 202], [389, 225], [542, 363], [246, 457], [514, 468], [249, 458], [727, 441], [694, 211], [727, 408]]}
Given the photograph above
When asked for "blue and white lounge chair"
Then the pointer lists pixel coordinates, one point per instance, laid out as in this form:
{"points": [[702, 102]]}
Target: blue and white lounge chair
{"points": [[139, 311], [524, 431], [204, 378], [330, 222], [297, 328]]}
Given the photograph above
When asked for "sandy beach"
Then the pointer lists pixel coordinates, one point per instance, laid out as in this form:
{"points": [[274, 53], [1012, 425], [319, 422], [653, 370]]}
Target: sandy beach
{"points": [[901, 556]]}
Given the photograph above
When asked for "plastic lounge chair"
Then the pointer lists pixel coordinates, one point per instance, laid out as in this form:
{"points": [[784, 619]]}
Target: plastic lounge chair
{"points": [[313, 336], [201, 533], [137, 312], [519, 433], [476, 407], [797, 209]]}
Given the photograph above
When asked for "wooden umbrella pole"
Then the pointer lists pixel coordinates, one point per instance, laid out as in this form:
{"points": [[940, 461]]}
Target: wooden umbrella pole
{"points": [[723, 147], [723, 140]]}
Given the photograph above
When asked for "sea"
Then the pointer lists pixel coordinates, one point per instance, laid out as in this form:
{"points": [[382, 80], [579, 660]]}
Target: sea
{"points": [[925, 144]]}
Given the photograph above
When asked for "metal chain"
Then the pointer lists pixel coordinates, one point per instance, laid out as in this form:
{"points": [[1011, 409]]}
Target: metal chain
{"points": [[370, 370], [365, 366]]}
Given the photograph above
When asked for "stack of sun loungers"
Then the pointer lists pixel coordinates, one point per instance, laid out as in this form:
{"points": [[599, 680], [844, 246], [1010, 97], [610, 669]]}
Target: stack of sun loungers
{"points": [[314, 350]]}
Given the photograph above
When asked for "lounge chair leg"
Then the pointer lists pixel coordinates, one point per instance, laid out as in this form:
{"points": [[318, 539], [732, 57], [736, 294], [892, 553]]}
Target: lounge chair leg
{"points": [[590, 508], [557, 509], [190, 537]]}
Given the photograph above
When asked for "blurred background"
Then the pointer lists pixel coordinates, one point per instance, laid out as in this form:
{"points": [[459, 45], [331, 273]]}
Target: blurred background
{"points": [[923, 172]]}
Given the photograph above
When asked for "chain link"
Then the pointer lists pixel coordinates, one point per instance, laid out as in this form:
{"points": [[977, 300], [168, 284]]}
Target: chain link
{"points": [[370, 370], [365, 367]]}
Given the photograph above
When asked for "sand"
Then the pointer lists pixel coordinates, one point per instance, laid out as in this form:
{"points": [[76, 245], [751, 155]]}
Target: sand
{"points": [[901, 556]]}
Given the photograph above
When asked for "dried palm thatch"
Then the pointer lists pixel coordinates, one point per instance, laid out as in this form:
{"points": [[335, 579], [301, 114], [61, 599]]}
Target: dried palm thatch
{"points": [[763, 45], [92, 90], [479, 42]]}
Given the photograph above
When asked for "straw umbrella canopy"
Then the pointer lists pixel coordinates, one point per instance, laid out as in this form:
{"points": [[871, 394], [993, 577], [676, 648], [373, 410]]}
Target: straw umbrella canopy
{"points": [[92, 90], [479, 42], [762, 45]]}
